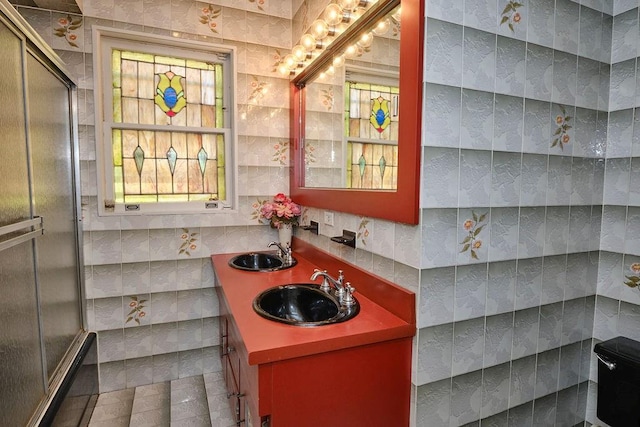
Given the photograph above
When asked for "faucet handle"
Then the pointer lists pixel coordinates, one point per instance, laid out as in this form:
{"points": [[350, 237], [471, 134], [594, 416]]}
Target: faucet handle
{"points": [[347, 298]]}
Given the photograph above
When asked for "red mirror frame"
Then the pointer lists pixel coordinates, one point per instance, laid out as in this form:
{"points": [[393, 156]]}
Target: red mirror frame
{"points": [[402, 205]]}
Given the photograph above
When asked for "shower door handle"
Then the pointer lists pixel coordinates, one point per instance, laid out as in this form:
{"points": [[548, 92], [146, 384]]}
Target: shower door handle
{"points": [[34, 228]]}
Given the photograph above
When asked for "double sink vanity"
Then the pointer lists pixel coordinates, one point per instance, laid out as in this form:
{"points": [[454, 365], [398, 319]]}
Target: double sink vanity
{"points": [[297, 353]]}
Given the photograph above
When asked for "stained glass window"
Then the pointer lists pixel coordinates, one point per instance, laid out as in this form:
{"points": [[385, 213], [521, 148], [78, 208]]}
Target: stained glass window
{"points": [[371, 130], [167, 126], [154, 166]]}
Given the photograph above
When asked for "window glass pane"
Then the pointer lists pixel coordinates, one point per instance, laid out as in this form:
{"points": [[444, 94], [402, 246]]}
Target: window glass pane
{"points": [[371, 114], [184, 92], [152, 166], [372, 165]]}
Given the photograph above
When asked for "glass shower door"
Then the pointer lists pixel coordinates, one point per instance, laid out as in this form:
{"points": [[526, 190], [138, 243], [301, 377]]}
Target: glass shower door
{"points": [[52, 179], [21, 367]]}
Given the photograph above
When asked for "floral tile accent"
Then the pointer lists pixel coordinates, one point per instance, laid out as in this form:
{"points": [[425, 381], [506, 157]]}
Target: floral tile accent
{"points": [[66, 29], [257, 209], [304, 216], [363, 231], [280, 154], [474, 227], [259, 3], [258, 89], [309, 155], [561, 135], [277, 60], [327, 98], [633, 281], [188, 242], [510, 14], [137, 311], [209, 16]]}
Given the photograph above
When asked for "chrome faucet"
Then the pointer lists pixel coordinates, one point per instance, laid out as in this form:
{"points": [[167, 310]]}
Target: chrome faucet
{"points": [[327, 280], [343, 291], [283, 253]]}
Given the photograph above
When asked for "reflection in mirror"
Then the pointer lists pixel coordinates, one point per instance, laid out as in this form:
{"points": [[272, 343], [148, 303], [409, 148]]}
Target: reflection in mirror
{"points": [[352, 114], [350, 150]]}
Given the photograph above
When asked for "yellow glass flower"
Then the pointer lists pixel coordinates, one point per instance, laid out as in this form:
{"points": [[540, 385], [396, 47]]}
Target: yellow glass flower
{"points": [[380, 118], [169, 94]]}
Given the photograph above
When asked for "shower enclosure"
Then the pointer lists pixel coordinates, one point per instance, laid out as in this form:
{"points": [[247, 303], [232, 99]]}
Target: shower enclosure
{"points": [[41, 320]]}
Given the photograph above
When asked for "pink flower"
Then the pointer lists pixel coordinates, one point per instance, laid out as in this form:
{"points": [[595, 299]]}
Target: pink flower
{"points": [[468, 225], [559, 120], [184, 236], [192, 247], [565, 138], [477, 244], [516, 17], [280, 210], [267, 210], [281, 198], [635, 267], [133, 304], [284, 210], [141, 314], [72, 37], [63, 21]]}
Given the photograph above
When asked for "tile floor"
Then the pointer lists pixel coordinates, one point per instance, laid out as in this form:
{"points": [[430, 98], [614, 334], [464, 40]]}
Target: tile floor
{"points": [[195, 402]]}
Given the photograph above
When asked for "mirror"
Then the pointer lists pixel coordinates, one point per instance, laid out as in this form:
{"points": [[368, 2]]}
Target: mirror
{"points": [[355, 141], [352, 113]]}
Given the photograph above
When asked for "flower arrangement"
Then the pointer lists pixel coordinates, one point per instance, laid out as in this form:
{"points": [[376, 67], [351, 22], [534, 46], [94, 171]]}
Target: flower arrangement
{"points": [[281, 210]]}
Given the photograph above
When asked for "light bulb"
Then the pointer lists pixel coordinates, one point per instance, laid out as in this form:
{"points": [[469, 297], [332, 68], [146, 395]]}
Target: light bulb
{"points": [[319, 29], [333, 14], [382, 27], [282, 69], [351, 50], [365, 40], [299, 52], [308, 41], [349, 4], [338, 61], [290, 62]]}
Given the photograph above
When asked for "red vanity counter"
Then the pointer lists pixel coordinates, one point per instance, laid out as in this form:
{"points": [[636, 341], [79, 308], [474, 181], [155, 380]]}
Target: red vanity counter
{"points": [[272, 368]]}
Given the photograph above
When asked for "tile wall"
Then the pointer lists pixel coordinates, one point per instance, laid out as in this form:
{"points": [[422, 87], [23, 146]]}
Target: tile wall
{"points": [[515, 116], [618, 297]]}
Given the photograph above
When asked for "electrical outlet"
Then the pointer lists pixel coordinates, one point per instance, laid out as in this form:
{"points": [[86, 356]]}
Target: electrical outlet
{"points": [[328, 218]]}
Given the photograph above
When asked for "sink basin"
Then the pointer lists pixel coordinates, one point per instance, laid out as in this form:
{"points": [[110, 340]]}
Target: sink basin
{"points": [[302, 304], [260, 261]]}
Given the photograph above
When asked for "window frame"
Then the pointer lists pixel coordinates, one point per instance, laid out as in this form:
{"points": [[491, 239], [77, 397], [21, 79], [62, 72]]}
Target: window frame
{"points": [[107, 38]]}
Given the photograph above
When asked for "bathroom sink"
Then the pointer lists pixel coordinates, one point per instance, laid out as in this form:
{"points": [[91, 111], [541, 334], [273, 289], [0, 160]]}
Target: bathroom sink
{"points": [[302, 304], [260, 261]]}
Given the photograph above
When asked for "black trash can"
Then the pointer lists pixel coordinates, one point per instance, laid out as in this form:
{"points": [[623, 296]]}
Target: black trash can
{"points": [[619, 382]]}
